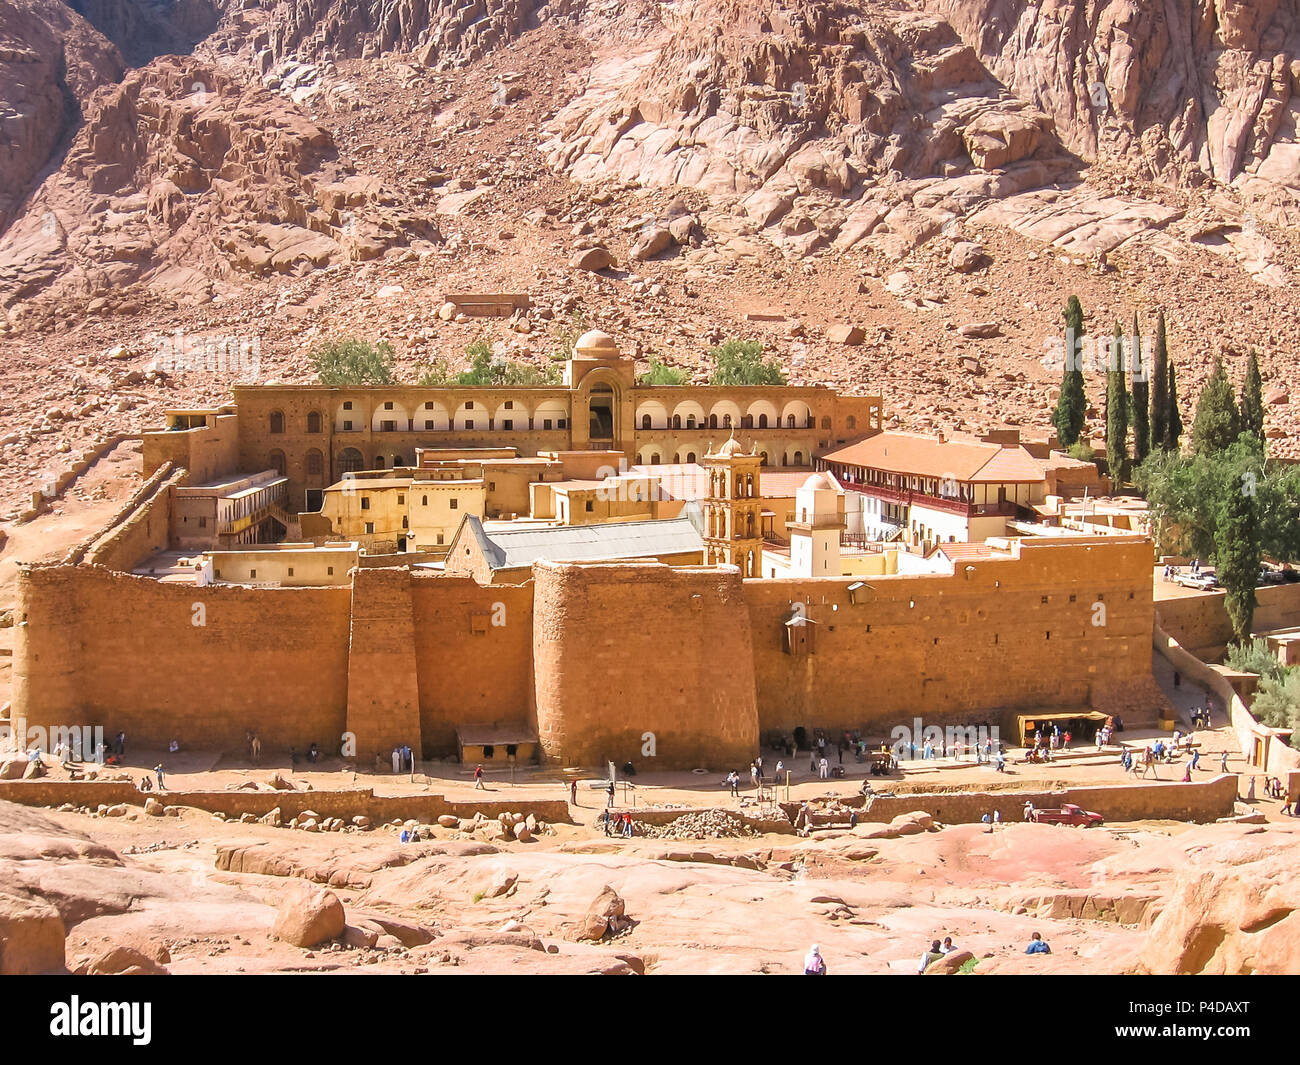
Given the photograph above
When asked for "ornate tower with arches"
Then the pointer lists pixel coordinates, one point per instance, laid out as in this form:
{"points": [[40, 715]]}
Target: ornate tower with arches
{"points": [[733, 511]]}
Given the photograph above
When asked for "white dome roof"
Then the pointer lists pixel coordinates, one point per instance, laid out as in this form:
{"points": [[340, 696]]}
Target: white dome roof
{"points": [[594, 344]]}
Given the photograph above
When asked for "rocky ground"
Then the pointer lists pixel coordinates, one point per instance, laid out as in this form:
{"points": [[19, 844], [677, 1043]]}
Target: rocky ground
{"points": [[193, 894], [673, 176]]}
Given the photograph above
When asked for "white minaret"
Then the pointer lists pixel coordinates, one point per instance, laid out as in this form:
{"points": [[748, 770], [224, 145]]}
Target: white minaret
{"points": [[815, 532]]}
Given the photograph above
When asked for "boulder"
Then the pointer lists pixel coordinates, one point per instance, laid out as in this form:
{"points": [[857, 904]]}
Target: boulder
{"points": [[309, 915], [851, 335], [153, 807], [448, 820], [129, 961], [502, 884], [966, 256], [13, 769], [521, 833], [981, 330], [592, 259], [361, 938], [31, 937], [604, 916], [949, 964], [652, 242]]}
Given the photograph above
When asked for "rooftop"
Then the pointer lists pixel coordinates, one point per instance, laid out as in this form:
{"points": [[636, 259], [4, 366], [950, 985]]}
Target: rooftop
{"points": [[602, 542], [970, 461]]}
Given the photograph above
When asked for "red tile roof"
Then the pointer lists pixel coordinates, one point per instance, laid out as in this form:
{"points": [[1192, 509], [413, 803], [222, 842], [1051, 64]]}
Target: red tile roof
{"points": [[969, 461]]}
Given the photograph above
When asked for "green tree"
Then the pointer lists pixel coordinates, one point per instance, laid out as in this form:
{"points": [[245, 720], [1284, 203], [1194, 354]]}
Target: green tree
{"points": [[1277, 703], [1141, 396], [486, 372], [1116, 410], [659, 374], [1217, 423], [436, 374], [1237, 556], [1173, 416], [1071, 404], [1254, 656], [1252, 399], [740, 362], [353, 362], [1160, 374]]}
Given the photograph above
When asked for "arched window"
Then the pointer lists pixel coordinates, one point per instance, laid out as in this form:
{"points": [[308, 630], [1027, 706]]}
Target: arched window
{"points": [[713, 421], [763, 457], [747, 421], [313, 421], [798, 458], [277, 422], [762, 421], [350, 460], [645, 421], [690, 421], [726, 421], [315, 463], [276, 461], [789, 421], [690, 456], [398, 460], [677, 421], [379, 462]]}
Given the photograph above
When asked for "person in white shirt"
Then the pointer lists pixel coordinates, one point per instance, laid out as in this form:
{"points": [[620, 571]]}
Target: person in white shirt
{"points": [[931, 955], [813, 963]]}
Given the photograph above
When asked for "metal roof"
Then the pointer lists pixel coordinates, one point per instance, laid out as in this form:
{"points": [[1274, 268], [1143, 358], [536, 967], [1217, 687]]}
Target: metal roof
{"points": [[512, 549]]}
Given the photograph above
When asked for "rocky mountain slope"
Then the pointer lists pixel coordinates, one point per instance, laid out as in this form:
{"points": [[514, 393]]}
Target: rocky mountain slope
{"points": [[940, 174]]}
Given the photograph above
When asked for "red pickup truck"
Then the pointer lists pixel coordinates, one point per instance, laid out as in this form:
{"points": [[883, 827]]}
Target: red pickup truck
{"points": [[1069, 814]]}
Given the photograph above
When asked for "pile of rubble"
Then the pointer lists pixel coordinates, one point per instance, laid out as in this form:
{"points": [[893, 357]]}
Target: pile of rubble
{"points": [[701, 824]]}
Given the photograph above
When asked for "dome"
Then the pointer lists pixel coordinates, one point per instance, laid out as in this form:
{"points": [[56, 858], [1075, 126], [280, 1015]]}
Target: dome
{"points": [[594, 344], [728, 450], [819, 482]]}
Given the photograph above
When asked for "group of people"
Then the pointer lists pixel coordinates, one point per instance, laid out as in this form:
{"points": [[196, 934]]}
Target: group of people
{"points": [[621, 824], [403, 759]]}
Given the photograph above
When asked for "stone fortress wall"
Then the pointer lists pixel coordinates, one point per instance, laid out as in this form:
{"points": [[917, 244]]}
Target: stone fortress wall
{"points": [[592, 656]]}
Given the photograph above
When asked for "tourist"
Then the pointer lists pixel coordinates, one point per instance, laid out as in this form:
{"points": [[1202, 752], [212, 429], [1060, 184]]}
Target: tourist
{"points": [[609, 792], [1250, 790], [947, 947], [100, 753], [173, 746], [813, 964], [1223, 762], [158, 770], [1002, 762], [478, 779], [313, 753], [1065, 738], [293, 758], [627, 826], [753, 774], [780, 768], [733, 781], [932, 955], [758, 763], [1196, 758], [823, 769], [987, 820], [604, 818], [1029, 809], [1187, 773], [397, 759], [573, 790], [146, 784], [812, 760], [997, 818], [853, 819], [1037, 945], [119, 745]]}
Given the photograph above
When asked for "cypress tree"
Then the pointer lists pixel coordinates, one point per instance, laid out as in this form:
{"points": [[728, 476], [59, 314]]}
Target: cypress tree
{"points": [[1252, 399], [1217, 422], [1071, 404], [1174, 424], [1237, 555], [1116, 409], [1141, 395], [1160, 374]]}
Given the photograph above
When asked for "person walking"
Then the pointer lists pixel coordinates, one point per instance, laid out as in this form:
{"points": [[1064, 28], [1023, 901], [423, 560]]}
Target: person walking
{"points": [[1223, 762], [823, 769], [604, 818], [997, 818], [158, 770], [733, 779], [627, 826], [1196, 758], [573, 791], [609, 792], [478, 778]]}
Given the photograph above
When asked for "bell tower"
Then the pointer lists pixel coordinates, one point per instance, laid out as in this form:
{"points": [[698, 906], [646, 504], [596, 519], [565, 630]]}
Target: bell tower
{"points": [[733, 522]]}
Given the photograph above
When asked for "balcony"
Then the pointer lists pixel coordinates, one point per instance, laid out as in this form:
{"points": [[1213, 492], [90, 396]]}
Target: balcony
{"points": [[907, 497]]}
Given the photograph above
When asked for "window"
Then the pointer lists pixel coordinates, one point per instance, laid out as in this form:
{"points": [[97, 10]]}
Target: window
{"points": [[440, 538], [492, 486], [561, 423], [645, 421], [428, 424], [428, 405], [424, 501], [469, 423], [510, 404], [252, 574], [203, 522], [313, 421], [388, 405], [508, 424], [389, 426], [850, 422], [276, 461], [365, 502], [546, 423], [590, 506], [290, 571], [347, 404], [315, 463], [401, 499], [329, 572], [347, 426], [370, 528], [455, 503], [277, 421], [350, 461], [469, 404]]}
